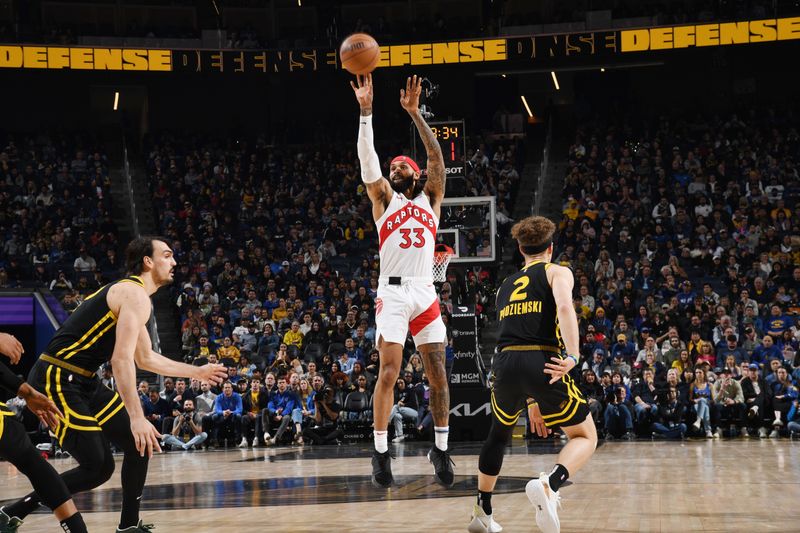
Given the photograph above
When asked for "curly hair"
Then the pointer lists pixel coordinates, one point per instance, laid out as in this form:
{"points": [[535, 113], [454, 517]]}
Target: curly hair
{"points": [[534, 231]]}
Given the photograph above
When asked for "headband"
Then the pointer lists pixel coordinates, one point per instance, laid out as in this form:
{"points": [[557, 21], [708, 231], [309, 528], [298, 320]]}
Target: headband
{"points": [[533, 250], [405, 159]]}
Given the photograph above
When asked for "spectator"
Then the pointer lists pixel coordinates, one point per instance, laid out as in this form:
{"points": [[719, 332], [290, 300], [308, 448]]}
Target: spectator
{"points": [[84, 262], [326, 415], [669, 424], [765, 352], [294, 337], [731, 349], [700, 398], [186, 432], [593, 393], [281, 413], [253, 404], [144, 391], [729, 399], [228, 354], [227, 414], [784, 394], [618, 419], [169, 391], [644, 397], [155, 409], [405, 407]]}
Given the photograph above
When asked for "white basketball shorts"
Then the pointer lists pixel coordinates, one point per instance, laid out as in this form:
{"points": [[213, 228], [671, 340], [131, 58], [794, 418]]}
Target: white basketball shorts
{"points": [[414, 306]]}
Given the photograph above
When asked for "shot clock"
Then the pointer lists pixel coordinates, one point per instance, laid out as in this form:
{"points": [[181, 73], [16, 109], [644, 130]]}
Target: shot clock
{"points": [[452, 140]]}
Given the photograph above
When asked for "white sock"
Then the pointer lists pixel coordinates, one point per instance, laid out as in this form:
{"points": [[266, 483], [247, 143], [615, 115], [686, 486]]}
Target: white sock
{"points": [[440, 437], [381, 441]]}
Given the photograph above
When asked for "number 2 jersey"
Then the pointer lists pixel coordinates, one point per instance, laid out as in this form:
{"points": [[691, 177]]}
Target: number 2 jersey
{"points": [[526, 309], [407, 237]]}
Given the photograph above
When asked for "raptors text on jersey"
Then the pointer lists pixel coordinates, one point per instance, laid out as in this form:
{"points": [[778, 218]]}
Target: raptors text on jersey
{"points": [[407, 237]]}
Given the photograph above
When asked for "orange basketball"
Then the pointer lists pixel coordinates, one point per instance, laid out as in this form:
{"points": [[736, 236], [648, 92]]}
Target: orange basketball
{"points": [[359, 53]]}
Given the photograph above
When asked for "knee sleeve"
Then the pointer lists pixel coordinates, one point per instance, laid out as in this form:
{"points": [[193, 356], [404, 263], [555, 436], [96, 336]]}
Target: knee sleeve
{"points": [[491, 458]]}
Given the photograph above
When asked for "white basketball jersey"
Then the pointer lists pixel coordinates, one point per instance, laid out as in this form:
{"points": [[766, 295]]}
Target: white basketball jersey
{"points": [[407, 237]]}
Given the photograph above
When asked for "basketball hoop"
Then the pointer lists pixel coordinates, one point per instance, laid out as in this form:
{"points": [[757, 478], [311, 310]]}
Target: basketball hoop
{"points": [[441, 258]]}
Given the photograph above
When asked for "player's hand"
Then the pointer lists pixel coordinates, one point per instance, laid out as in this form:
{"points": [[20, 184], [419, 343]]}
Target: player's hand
{"points": [[145, 436], [212, 372], [409, 97], [559, 367], [41, 406], [537, 422], [363, 89], [10, 346]]}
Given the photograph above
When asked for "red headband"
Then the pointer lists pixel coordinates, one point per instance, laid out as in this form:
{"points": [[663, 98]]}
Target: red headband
{"points": [[407, 160]]}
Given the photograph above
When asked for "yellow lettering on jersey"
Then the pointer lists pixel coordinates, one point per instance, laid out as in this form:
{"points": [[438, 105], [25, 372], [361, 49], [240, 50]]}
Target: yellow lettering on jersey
{"points": [[521, 308]]}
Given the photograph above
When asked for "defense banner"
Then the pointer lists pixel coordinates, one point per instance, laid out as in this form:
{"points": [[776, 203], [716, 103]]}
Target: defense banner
{"points": [[513, 52]]}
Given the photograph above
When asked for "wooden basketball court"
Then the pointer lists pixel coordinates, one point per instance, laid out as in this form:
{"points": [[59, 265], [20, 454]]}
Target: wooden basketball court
{"points": [[743, 485]]}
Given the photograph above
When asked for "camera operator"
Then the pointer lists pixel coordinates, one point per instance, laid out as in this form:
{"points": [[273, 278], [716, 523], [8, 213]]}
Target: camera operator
{"points": [[326, 413], [186, 432], [618, 418], [670, 413]]}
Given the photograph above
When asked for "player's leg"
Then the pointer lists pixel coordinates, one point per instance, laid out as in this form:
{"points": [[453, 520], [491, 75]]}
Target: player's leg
{"points": [[507, 401], [80, 436], [430, 336], [113, 419], [392, 315], [48, 485], [561, 404], [429, 333], [433, 359], [391, 357]]}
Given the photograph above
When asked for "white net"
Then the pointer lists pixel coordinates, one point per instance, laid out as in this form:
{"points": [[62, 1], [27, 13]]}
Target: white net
{"points": [[441, 258]]}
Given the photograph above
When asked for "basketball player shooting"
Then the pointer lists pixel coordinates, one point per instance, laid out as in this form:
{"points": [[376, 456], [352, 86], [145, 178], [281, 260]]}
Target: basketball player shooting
{"points": [[407, 217]]}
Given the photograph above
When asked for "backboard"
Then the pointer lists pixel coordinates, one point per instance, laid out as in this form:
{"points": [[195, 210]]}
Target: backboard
{"points": [[468, 226]]}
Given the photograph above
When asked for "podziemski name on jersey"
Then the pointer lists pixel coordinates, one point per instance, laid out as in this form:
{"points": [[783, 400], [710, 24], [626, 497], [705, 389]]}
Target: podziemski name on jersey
{"points": [[521, 308]]}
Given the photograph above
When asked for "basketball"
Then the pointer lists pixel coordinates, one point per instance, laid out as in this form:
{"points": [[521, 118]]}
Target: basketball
{"points": [[359, 53]]}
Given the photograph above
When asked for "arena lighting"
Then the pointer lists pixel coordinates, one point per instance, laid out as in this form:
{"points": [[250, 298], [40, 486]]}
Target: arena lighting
{"points": [[299, 3], [116, 100], [555, 80], [527, 107], [602, 70], [503, 75]]}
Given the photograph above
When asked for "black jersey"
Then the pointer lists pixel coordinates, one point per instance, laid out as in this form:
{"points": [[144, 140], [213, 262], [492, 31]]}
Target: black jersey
{"points": [[526, 309], [87, 337]]}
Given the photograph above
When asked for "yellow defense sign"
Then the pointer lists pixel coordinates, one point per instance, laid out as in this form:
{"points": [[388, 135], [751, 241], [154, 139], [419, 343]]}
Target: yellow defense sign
{"points": [[53, 57], [441, 53], [719, 34]]}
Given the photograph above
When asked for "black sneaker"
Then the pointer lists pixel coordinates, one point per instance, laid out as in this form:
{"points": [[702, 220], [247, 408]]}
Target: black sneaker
{"points": [[382, 470], [442, 467], [138, 528], [9, 524]]}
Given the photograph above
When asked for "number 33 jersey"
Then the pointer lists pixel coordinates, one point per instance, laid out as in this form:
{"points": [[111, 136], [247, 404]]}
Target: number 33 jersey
{"points": [[407, 237]]}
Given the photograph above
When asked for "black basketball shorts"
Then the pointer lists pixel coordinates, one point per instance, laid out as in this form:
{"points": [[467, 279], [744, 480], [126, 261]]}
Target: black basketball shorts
{"points": [[519, 375], [86, 403]]}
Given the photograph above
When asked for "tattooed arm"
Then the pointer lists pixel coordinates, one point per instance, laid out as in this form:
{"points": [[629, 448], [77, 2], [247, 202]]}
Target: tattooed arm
{"points": [[434, 188]]}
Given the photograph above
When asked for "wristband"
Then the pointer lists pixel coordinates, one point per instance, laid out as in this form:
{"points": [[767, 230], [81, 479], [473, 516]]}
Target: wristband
{"points": [[530, 402], [570, 356]]}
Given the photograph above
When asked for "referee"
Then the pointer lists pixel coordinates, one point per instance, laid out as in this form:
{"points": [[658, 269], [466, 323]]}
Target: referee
{"points": [[537, 324]]}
